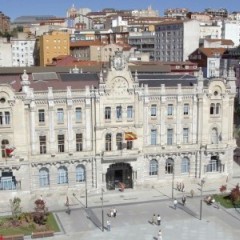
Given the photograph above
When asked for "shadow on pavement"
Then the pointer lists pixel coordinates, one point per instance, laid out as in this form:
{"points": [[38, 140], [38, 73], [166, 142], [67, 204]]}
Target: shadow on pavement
{"points": [[93, 218]]}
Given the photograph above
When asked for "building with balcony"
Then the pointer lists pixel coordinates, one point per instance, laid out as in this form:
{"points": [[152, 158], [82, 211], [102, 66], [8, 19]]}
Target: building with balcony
{"points": [[69, 129]]}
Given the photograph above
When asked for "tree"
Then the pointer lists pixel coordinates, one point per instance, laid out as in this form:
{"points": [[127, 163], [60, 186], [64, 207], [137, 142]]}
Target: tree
{"points": [[15, 207], [235, 194]]}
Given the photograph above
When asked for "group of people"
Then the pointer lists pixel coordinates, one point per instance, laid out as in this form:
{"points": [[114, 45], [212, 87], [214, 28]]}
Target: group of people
{"points": [[156, 219], [112, 213], [180, 186]]}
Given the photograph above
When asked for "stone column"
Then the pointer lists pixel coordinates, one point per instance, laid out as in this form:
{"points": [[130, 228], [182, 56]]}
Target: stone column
{"points": [[33, 127]]}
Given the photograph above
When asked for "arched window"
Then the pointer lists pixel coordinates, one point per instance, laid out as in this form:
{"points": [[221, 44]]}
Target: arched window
{"points": [[44, 177], [169, 166], [214, 136], [185, 165], [213, 165], [108, 142], [80, 173], [212, 106], [62, 175], [119, 141], [218, 108], [153, 167], [4, 143]]}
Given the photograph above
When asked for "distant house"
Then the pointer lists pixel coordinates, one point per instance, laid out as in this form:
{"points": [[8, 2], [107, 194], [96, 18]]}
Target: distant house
{"points": [[208, 59]]}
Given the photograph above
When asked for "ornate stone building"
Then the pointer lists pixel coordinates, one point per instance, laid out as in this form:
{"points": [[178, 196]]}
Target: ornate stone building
{"points": [[67, 130]]}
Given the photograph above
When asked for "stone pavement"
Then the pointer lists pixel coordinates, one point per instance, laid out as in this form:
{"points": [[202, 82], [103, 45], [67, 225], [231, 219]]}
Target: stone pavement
{"points": [[135, 208]]}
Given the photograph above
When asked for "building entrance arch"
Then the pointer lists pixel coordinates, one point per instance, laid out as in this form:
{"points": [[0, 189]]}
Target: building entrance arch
{"points": [[119, 173]]}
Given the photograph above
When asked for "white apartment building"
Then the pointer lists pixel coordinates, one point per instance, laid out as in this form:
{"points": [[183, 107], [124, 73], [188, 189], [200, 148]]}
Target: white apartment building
{"points": [[174, 40], [23, 51], [231, 30], [5, 53], [69, 129]]}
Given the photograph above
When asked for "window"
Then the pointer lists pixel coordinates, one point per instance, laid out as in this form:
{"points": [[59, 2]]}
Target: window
{"points": [[108, 142], [4, 118], [153, 110], [107, 113], [218, 106], [153, 167], [4, 144], [214, 136], [79, 142], [213, 165], [129, 145], [170, 110], [78, 114], [60, 115], [43, 144], [170, 136], [212, 106], [41, 116], [153, 137], [185, 135], [129, 112], [185, 109], [119, 112], [60, 143], [80, 173], [185, 165], [119, 141], [62, 175], [169, 166], [44, 177]]}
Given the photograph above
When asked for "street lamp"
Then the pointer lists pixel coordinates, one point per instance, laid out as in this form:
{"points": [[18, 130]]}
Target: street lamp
{"points": [[173, 180], [102, 212], [86, 194], [202, 182]]}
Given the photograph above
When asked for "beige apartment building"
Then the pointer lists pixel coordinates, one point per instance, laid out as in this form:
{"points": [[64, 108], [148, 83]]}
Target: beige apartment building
{"points": [[53, 44]]}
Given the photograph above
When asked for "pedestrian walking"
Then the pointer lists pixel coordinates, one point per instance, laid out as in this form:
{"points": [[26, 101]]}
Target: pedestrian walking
{"points": [[183, 200], [158, 220], [182, 189], [175, 202], [108, 225], [159, 235], [180, 186], [114, 212], [154, 219]]}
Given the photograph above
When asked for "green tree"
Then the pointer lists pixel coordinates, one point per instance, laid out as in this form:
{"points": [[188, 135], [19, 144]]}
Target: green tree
{"points": [[16, 208]]}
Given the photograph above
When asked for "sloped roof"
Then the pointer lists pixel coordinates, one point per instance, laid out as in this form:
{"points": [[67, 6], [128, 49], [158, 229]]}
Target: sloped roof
{"points": [[212, 52], [223, 41]]}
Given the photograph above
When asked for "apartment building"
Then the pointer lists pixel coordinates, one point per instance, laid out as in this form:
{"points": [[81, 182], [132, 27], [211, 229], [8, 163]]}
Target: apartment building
{"points": [[174, 41], [52, 45]]}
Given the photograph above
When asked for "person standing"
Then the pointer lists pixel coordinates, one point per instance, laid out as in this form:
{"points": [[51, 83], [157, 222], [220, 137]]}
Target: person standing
{"points": [[159, 235], [114, 212], [158, 220], [108, 225], [183, 200], [154, 219], [175, 202], [183, 186]]}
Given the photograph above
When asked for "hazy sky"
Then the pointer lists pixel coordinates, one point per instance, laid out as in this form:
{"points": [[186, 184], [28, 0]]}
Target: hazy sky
{"points": [[17, 8]]}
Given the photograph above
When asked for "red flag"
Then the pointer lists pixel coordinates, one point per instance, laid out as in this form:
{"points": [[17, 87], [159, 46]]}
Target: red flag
{"points": [[9, 152]]}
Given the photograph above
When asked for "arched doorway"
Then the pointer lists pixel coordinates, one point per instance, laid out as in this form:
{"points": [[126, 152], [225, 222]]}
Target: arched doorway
{"points": [[119, 172]]}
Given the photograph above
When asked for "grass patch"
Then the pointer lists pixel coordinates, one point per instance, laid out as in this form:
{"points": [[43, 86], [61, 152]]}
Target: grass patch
{"points": [[225, 201], [6, 229]]}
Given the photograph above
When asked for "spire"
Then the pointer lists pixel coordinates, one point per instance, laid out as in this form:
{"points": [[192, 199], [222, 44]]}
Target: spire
{"points": [[25, 81]]}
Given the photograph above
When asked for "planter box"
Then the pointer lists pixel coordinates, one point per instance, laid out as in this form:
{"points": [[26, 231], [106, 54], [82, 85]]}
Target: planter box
{"points": [[14, 237], [42, 234]]}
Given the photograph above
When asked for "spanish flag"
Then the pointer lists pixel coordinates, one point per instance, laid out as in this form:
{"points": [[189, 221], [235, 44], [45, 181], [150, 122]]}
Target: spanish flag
{"points": [[130, 136]]}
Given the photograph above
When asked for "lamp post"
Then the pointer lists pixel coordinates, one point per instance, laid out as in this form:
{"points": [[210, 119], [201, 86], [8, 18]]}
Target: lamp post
{"points": [[202, 182], [86, 194], [173, 181], [102, 213]]}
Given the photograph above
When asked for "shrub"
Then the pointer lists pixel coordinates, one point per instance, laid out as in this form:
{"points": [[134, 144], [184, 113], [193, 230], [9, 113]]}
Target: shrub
{"points": [[223, 188], [235, 194]]}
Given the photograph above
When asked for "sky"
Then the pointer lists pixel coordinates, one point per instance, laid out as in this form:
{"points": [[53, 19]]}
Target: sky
{"points": [[17, 8]]}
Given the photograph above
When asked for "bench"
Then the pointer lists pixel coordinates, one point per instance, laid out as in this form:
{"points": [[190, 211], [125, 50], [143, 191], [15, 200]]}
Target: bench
{"points": [[14, 237], [42, 234]]}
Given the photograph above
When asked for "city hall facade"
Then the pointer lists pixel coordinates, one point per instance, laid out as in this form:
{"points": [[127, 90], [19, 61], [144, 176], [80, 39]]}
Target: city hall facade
{"points": [[68, 130]]}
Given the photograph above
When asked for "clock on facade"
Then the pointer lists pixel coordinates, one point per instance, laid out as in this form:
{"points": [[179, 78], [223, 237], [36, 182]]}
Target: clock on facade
{"points": [[119, 85]]}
